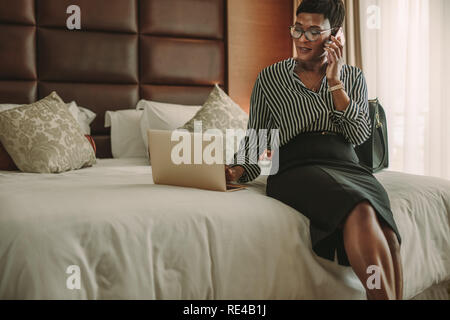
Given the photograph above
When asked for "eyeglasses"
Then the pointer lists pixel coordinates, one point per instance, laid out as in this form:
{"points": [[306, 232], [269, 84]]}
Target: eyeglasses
{"points": [[311, 35]]}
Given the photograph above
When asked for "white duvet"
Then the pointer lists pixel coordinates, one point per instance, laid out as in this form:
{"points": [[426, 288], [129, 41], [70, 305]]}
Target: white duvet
{"points": [[132, 239]]}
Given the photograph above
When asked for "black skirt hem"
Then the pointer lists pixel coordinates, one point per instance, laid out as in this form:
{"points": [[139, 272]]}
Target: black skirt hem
{"points": [[322, 246]]}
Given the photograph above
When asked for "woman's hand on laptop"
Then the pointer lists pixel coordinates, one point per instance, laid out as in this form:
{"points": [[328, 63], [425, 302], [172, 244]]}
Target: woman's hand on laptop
{"points": [[233, 174]]}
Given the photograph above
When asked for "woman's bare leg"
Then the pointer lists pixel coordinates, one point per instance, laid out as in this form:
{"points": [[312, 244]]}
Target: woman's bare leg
{"points": [[394, 247], [366, 245]]}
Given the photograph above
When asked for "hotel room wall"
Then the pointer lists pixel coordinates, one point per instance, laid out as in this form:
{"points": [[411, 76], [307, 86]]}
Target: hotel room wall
{"points": [[258, 36]]}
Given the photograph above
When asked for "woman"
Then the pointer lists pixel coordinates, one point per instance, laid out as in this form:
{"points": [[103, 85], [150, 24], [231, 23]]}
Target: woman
{"points": [[320, 106]]}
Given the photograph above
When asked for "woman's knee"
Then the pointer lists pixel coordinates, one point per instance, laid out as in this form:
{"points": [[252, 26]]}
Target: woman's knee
{"points": [[362, 216]]}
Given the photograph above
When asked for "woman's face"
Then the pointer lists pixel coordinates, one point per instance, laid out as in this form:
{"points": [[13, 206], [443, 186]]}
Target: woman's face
{"points": [[307, 50]]}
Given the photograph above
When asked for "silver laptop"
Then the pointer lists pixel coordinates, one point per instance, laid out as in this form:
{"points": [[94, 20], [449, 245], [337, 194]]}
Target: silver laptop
{"points": [[167, 168]]}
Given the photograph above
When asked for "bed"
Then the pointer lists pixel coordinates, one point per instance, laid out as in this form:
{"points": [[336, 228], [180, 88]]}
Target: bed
{"points": [[132, 239]]}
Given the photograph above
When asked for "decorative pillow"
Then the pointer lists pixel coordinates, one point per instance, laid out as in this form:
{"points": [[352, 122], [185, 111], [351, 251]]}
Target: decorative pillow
{"points": [[43, 137], [220, 112], [6, 163], [4, 107], [163, 116], [126, 139], [82, 115]]}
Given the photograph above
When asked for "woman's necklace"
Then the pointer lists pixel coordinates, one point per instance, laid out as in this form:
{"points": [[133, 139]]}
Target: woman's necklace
{"points": [[316, 85]]}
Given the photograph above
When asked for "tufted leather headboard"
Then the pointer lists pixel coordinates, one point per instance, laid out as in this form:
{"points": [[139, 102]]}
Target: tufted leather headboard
{"points": [[162, 50]]}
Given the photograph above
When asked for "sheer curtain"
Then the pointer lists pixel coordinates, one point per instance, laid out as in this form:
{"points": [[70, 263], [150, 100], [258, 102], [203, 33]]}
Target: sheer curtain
{"points": [[405, 44]]}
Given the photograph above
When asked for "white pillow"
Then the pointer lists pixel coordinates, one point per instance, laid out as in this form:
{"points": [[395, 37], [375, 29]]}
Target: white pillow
{"points": [[83, 116], [163, 116], [126, 138]]}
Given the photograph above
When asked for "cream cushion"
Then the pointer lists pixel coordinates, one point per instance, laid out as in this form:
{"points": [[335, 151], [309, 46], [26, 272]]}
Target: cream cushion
{"points": [[44, 137], [221, 112]]}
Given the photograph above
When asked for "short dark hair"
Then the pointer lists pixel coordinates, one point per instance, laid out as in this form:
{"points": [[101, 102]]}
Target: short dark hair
{"points": [[333, 10]]}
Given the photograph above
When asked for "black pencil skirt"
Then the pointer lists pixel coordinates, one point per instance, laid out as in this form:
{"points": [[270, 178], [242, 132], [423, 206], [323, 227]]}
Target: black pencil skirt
{"points": [[319, 175]]}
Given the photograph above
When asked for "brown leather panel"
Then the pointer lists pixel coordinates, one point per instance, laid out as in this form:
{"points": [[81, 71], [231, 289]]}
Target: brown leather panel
{"points": [[18, 92], [184, 18], [17, 11], [74, 56], [110, 64], [176, 94], [181, 61], [103, 144], [17, 52], [97, 97], [110, 15]]}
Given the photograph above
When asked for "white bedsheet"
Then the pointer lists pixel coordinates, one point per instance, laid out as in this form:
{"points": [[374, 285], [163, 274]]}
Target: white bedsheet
{"points": [[136, 240]]}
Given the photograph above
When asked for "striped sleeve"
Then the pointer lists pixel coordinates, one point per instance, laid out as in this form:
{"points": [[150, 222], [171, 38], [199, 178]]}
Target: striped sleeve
{"points": [[354, 122], [258, 119]]}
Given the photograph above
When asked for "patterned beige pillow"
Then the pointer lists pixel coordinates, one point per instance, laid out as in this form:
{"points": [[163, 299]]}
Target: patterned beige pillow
{"points": [[44, 137], [220, 112]]}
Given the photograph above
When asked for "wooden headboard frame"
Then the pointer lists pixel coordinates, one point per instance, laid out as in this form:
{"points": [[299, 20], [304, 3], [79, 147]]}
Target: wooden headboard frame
{"points": [[126, 50]]}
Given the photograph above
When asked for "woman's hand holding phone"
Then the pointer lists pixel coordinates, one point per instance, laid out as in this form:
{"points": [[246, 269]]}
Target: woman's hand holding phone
{"points": [[335, 53]]}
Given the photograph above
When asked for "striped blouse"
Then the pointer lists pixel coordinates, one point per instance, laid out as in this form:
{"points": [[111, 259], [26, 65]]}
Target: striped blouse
{"points": [[281, 101]]}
